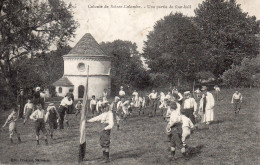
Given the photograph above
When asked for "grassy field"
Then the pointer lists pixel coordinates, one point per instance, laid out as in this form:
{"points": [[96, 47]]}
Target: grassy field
{"points": [[229, 140]]}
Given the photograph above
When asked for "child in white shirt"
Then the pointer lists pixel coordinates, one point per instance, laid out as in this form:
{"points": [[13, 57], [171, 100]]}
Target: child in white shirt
{"points": [[236, 101], [93, 104], [106, 118], [99, 107], [39, 117], [178, 126], [28, 109]]}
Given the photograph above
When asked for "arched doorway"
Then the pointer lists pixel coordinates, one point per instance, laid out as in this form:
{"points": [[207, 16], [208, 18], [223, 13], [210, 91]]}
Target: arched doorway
{"points": [[81, 89]]}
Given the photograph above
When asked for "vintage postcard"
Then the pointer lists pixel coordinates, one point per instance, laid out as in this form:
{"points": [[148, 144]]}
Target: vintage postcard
{"points": [[129, 82]]}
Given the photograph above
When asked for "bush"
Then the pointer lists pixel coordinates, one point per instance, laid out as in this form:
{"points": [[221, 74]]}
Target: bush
{"points": [[206, 76], [244, 75]]}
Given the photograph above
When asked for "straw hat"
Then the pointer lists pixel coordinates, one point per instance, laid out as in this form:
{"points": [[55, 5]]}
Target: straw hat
{"points": [[38, 89]]}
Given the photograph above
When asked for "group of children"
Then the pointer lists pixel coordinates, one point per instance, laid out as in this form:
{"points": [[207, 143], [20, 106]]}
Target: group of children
{"points": [[179, 113], [38, 115]]}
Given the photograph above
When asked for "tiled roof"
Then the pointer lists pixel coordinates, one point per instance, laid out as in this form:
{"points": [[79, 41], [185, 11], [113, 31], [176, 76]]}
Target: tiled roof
{"points": [[64, 81], [87, 46]]}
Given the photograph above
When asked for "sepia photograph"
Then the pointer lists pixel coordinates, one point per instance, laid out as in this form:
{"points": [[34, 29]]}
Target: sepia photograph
{"points": [[130, 82]]}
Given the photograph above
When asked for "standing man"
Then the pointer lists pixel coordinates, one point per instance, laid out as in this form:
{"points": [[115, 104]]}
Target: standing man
{"points": [[189, 106], [21, 101], [154, 101], [207, 103], [63, 109], [236, 101]]}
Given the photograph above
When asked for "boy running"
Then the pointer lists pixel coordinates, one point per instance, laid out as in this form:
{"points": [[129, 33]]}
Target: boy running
{"points": [[53, 116], [178, 130], [12, 118]]}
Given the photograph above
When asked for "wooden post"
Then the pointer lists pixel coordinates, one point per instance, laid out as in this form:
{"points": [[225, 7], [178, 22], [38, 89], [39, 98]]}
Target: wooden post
{"points": [[82, 128]]}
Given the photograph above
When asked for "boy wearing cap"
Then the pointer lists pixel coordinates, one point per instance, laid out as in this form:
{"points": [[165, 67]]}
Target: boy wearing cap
{"points": [[53, 116], [106, 118], [37, 96], [12, 118], [189, 106], [39, 117], [207, 103]]}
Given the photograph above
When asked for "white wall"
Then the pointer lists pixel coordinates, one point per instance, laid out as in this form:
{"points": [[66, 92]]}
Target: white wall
{"points": [[65, 90], [96, 85], [96, 67]]}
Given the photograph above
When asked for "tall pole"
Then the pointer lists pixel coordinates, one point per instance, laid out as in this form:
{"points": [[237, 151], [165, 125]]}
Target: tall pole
{"points": [[82, 128]]}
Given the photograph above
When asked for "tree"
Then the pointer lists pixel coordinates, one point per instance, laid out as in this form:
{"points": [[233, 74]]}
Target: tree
{"points": [[42, 70], [244, 74], [29, 28], [229, 34], [174, 48], [127, 68]]}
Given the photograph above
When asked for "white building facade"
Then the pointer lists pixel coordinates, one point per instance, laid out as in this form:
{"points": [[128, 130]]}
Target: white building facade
{"points": [[86, 59]]}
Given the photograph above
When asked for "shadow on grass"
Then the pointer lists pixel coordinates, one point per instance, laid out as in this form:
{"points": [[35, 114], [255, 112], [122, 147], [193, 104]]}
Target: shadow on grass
{"points": [[134, 153], [217, 122], [193, 151]]}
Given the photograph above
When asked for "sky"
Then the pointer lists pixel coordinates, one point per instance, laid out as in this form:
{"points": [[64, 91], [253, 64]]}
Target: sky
{"points": [[133, 24]]}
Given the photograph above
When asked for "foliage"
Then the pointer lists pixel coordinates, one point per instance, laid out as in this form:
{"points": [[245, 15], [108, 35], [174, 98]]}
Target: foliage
{"points": [[158, 79], [29, 28], [173, 48], [244, 75], [229, 34], [127, 68], [42, 70], [205, 75]]}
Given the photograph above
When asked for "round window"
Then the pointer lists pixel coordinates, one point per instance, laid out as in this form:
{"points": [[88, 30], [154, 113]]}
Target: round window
{"points": [[81, 67]]}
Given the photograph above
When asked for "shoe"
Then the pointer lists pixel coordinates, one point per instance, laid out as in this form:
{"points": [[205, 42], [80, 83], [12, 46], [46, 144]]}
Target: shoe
{"points": [[46, 142], [106, 157], [19, 140]]}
